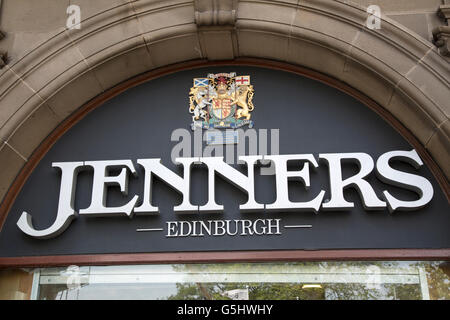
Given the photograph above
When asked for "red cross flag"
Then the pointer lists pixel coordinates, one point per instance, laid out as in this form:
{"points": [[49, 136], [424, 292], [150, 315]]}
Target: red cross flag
{"points": [[242, 80]]}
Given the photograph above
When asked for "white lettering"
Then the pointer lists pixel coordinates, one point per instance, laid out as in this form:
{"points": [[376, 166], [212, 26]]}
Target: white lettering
{"points": [[66, 212], [243, 182], [154, 167], [405, 180], [337, 184], [283, 175], [102, 180]]}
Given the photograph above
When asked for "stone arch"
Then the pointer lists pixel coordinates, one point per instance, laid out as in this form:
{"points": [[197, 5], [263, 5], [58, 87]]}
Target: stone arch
{"points": [[394, 67]]}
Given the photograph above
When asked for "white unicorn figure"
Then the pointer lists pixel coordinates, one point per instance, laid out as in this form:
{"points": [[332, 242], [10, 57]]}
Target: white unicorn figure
{"points": [[200, 96]]}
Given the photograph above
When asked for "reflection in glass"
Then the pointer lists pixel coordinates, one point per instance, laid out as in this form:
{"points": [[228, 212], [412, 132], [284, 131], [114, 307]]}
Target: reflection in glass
{"points": [[392, 280]]}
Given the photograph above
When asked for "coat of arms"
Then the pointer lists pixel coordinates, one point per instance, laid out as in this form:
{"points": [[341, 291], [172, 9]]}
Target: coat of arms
{"points": [[221, 100]]}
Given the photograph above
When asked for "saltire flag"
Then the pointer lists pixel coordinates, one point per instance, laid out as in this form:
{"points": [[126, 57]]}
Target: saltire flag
{"points": [[201, 82]]}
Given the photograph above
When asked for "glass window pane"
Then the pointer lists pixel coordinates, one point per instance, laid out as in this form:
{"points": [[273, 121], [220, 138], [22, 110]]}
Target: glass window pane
{"points": [[391, 280]]}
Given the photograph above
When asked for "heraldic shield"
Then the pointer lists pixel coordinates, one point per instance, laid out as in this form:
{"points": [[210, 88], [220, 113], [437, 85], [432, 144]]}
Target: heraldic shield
{"points": [[221, 100]]}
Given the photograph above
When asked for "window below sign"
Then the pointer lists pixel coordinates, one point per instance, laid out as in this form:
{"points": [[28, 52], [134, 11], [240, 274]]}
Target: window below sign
{"points": [[393, 280]]}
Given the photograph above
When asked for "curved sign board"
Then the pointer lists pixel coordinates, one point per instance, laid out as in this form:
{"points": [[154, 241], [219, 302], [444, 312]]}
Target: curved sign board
{"points": [[226, 159]]}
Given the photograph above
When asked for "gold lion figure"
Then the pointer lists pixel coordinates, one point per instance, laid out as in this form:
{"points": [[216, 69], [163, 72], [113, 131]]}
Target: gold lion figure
{"points": [[244, 100]]}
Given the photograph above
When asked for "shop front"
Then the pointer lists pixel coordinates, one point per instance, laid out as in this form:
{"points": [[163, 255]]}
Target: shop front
{"points": [[234, 180]]}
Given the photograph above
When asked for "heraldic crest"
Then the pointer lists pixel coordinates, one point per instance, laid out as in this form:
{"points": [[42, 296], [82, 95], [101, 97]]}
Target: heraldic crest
{"points": [[221, 100]]}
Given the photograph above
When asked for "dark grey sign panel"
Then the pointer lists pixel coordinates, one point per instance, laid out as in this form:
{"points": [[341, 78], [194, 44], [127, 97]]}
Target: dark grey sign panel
{"points": [[312, 118]]}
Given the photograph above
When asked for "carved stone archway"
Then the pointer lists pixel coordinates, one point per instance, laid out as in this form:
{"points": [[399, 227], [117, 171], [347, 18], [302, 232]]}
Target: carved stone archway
{"points": [[397, 69]]}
